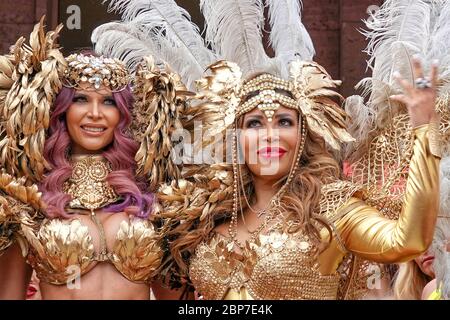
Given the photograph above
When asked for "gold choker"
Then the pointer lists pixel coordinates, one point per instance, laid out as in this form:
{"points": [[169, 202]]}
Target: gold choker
{"points": [[87, 185]]}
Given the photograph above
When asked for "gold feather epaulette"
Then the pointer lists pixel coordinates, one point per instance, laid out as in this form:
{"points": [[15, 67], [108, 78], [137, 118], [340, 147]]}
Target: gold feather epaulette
{"points": [[18, 203], [29, 81], [201, 197], [160, 100]]}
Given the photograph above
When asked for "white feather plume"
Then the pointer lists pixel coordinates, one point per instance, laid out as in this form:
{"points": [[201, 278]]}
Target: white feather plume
{"points": [[234, 30], [439, 44], [288, 36], [122, 41], [398, 31], [377, 96], [360, 123], [169, 27], [362, 117], [442, 232]]}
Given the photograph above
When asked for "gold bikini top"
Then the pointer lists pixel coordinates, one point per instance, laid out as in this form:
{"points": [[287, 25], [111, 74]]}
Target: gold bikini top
{"points": [[278, 265], [62, 249]]}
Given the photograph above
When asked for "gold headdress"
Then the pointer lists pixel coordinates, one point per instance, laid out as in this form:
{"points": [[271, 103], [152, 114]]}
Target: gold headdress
{"points": [[306, 91], [96, 71]]}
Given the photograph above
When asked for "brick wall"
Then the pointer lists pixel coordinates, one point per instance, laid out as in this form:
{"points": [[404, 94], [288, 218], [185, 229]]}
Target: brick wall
{"points": [[333, 25], [352, 62], [17, 18]]}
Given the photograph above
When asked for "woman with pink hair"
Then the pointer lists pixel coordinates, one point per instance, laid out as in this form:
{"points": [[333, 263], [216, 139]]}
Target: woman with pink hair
{"points": [[89, 235]]}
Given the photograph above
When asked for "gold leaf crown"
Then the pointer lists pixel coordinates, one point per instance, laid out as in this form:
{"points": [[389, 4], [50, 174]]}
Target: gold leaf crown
{"points": [[306, 91], [96, 71]]}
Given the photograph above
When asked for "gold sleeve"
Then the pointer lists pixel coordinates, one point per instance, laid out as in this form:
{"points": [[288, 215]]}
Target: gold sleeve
{"points": [[365, 232]]}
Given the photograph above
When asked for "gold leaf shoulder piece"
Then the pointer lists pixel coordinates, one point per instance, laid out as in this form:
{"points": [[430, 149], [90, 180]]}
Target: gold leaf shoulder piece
{"points": [[32, 76], [160, 100], [188, 204], [17, 189], [17, 204], [219, 99]]}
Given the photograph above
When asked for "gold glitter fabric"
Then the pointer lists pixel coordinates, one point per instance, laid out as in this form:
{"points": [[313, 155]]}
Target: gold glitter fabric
{"points": [[280, 265]]}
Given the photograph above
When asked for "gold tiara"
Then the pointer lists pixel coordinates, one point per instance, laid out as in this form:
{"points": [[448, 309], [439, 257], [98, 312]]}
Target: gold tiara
{"points": [[267, 99], [96, 71], [308, 90]]}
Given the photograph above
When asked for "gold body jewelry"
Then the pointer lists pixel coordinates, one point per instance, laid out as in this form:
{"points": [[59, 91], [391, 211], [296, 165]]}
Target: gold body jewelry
{"points": [[87, 185]]}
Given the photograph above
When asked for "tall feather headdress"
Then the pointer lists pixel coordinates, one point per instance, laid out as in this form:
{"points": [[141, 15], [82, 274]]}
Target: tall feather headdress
{"points": [[397, 32], [233, 32]]}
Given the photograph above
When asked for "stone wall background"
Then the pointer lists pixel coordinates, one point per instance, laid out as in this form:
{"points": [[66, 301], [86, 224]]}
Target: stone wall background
{"points": [[333, 25], [17, 18]]}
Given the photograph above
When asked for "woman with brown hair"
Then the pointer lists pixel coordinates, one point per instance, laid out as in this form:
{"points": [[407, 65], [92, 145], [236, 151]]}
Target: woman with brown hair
{"points": [[286, 226]]}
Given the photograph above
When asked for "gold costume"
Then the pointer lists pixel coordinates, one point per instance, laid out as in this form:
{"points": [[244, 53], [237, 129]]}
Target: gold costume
{"points": [[61, 249], [280, 266], [59, 245], [54, 247]]}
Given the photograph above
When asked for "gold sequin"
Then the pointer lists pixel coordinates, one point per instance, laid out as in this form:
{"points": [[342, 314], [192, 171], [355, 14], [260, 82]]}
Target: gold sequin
{"points": [[277, 266]]}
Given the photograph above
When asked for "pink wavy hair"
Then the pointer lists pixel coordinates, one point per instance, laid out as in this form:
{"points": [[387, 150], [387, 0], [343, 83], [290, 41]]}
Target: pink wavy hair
{"points": [[120, 153]]}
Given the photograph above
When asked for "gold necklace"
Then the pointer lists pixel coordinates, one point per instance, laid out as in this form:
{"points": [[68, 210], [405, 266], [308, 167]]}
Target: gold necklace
{"points": [[87, 185]]}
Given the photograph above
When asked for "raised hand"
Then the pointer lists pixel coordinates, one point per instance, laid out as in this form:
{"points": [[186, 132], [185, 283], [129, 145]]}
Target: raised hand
{"points": [[420, 97]]}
